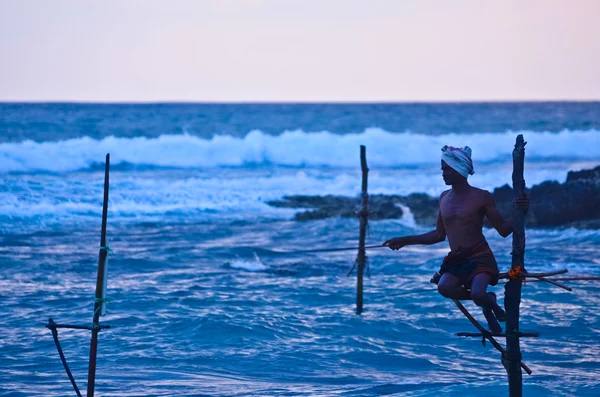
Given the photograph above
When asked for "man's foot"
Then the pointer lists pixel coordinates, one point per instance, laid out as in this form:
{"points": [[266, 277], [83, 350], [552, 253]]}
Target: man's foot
{"points": [[498, 311], [493, 325], [491, 316]]}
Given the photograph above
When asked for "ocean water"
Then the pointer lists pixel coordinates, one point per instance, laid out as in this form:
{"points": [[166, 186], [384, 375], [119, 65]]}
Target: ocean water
{"points": [[203, 299]]}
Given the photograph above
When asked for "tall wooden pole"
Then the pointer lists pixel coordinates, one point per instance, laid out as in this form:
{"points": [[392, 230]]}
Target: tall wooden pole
{"points": [[512, 298], [362, 257], [100, 288]]}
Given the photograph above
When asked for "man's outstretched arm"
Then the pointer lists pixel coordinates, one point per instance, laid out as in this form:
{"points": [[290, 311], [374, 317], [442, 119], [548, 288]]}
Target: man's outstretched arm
{"points": [[435, 236]]}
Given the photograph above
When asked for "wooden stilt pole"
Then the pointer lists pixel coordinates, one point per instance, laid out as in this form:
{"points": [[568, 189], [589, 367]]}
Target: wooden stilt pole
{"points": [[512, 300], [363, 215], [100, 288]]}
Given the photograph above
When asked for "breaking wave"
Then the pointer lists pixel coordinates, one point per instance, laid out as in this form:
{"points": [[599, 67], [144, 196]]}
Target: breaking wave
{"points": [[289, 149]]}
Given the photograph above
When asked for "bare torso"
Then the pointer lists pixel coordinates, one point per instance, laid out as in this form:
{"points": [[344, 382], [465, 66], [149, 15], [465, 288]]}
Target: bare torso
{"points": [[462, 214]]}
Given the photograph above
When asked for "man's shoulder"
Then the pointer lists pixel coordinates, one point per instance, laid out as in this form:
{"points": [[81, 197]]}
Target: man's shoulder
{"points": [[483, 194], [445, 192]]}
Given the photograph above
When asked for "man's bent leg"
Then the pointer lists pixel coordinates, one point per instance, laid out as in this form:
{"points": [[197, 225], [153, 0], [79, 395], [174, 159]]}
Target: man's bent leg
{"points": [[483, 298], [449, 286], [479, 290]]}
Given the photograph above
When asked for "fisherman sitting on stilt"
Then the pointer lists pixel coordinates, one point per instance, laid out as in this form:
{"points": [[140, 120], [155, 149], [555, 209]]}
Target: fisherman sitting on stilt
{"points": [[470, 266]]}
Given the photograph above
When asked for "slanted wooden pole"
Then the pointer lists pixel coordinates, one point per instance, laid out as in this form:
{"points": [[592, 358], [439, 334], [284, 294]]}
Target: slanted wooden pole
{"points": [[100, 288], [486, 334], [363, 214], [512, 299]]}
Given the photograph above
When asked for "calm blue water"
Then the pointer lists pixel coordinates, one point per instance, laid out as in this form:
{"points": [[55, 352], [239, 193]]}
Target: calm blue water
{"points": [[202, 303]]}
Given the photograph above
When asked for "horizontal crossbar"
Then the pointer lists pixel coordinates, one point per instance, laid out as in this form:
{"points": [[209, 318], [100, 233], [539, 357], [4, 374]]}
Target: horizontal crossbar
{"points": [[479, 335], [53, 325]]}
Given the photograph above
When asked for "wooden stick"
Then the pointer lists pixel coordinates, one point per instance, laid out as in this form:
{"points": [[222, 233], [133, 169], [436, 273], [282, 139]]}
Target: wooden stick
{"points": [[486, 333], [87, 327], [521, 334], [565, 279], [99, 286], [52, 326], [421, 290], [362, 256], [326, 249], [527, 274], [554, 283], [512, 295]]}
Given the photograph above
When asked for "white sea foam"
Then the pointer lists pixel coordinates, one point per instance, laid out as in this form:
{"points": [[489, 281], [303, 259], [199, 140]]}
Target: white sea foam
{"points": [[252, 266], [291, 148], [153, 193], [408, 218], [201, 185]]}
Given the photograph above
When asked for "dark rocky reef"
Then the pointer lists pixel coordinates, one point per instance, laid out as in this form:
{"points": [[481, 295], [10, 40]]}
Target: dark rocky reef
{"points": [[575, 203], [380, 206]]}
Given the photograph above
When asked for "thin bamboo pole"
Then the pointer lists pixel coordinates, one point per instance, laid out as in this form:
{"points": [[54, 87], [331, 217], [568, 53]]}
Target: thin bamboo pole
{"points": [[363, 215], [100, 292]]}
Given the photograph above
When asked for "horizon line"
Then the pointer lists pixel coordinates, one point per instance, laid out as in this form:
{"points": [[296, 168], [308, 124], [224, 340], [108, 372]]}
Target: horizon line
{"points": [[300, 102]]}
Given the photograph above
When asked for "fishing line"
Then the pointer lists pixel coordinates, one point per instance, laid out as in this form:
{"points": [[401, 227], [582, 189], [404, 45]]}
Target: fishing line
{"points": [[327, 250]]}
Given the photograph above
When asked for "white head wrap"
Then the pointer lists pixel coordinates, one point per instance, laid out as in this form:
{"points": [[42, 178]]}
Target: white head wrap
{"points": [[459, 159]]}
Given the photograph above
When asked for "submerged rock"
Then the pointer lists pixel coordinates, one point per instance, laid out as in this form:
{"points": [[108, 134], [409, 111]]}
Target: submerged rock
{"points": [[320, 207], [423, 208], [575, 203]]}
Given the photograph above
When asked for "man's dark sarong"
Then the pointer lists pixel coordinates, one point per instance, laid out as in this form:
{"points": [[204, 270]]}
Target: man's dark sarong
{"points": [[465, 264]]}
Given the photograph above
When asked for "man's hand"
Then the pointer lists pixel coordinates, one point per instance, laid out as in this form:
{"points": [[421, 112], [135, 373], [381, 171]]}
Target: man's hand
{"points": [[522, 203], [395, 243]]}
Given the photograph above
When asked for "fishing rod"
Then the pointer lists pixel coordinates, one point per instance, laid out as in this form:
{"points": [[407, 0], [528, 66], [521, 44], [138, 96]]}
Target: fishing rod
{"points": [[328, 250]]}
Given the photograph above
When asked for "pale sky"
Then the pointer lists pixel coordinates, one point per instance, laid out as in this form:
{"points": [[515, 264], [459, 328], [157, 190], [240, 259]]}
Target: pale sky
{"points": [[299, 50]]}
